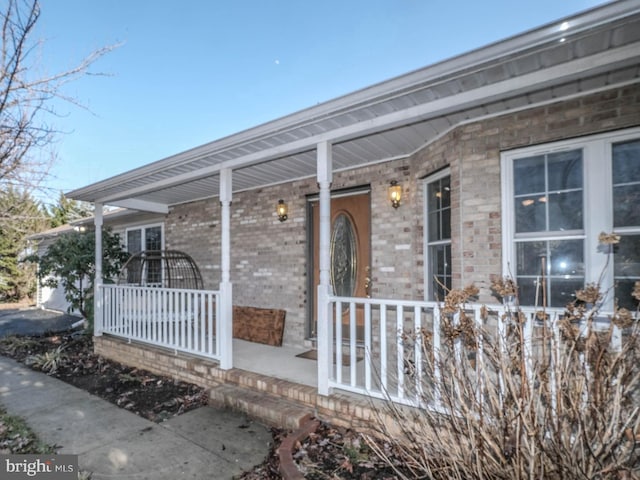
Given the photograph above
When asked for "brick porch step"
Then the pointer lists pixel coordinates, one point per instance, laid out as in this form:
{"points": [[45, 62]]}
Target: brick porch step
{"points": [[265, 407]]}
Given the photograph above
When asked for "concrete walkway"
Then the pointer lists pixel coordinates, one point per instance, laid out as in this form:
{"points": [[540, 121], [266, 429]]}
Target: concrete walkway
{"points": [[116, 444]]}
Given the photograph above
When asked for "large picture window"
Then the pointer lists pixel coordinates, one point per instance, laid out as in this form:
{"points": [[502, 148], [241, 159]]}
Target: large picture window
{"points": [[438, 235], [557, 199]]}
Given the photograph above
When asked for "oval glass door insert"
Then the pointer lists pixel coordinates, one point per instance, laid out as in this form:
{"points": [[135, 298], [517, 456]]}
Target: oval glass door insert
{"points": [[343, 256]]}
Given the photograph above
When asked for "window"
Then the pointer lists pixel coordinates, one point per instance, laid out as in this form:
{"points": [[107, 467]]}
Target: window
{"points": [[142, 239], [438, 235], [557, 199]]}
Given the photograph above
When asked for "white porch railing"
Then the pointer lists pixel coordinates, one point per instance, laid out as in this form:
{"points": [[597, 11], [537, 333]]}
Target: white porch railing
{"points": [[376, 351], [182, 320]]}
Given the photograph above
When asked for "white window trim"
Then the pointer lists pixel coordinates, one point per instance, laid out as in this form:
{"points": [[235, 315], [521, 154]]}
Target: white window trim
{"points": [[597, 209], [425, 237], [143, 238]]}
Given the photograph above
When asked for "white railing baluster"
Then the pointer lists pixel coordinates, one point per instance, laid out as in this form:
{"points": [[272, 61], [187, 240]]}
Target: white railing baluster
{"points": [[182, 313], [171, 320], [338, 357], [383, 347], [437, 352], [352, 343], [216, 330], [417, 350], [131, 313], [190, 321], [157, 316], [153, 323], [210, 332], [477, 315], [503, 318], [127, 318], [165, 338], [554, 356], [368, 358], [528, 348], [400, 350], [332, 345]]}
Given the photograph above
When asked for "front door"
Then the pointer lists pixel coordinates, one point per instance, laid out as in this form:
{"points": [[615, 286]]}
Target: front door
{"points": [[350, 270]]}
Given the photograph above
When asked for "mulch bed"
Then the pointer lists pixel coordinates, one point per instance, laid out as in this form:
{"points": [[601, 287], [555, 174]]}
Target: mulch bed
{"points": [[71, 359], [331, 453]]}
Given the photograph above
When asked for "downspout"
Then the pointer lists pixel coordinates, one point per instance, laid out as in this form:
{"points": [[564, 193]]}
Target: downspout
{"points": [[324, 328], [226, 287], [97, 284]]}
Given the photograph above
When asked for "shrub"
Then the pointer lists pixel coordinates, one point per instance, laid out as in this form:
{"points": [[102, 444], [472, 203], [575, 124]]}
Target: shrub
{"points": [[565, 407], [70, 261], [48, 362]]}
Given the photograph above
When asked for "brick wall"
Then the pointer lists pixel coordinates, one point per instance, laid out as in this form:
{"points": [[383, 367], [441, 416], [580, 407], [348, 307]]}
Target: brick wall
{"points": [[338, 409], [268, 258], [473, 153]]}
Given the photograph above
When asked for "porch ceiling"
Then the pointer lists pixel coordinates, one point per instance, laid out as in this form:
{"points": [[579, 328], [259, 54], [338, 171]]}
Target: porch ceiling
{"points": [[600, 48]]}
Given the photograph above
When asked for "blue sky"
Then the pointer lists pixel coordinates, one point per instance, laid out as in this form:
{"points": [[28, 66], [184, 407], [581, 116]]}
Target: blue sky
{"points": [[191, 71]]}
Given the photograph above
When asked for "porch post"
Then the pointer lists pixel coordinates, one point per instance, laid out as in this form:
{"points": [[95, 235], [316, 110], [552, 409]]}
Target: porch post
{"points": [[325, 177], [226, 288], [97, 284]]}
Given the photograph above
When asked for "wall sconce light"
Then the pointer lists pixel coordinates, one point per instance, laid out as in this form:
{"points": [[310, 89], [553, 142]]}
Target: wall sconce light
{"points": [[282, 210], [395, 194]]}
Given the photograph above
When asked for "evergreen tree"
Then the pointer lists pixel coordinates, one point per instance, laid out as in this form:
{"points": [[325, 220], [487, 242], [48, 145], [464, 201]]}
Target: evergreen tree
{"points": [[20, 216], [68, 210]]}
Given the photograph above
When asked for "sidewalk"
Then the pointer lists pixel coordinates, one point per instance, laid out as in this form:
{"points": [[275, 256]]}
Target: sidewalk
{"points": [[116, 444]]}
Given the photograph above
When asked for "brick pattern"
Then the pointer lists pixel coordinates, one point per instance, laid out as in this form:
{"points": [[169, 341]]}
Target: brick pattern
{"points": [[340, 409], [473, 154], [269, 258]]}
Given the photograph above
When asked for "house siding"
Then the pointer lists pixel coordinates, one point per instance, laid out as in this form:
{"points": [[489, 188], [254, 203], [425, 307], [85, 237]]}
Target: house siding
{"points": [[475, 169], [269, 258]]}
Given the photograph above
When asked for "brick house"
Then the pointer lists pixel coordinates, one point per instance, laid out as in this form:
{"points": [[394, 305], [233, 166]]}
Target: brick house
{"points": [[517, 152]]}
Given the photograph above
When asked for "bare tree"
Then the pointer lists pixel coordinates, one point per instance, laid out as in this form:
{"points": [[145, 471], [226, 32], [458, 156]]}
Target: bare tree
{"points": [[25, 97], [26, 136]]}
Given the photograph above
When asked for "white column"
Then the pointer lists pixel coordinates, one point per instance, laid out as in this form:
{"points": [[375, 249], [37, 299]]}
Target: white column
{"points": [[226, 287], [325, 177], [97, 283]]}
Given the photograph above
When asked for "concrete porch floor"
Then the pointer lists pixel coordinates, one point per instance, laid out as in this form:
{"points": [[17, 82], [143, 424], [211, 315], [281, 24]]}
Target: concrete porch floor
{"points": [[277, 362]]}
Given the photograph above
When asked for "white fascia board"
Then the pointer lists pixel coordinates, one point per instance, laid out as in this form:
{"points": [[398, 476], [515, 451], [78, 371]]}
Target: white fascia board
{"points": [[141, 205], [507, 88]]}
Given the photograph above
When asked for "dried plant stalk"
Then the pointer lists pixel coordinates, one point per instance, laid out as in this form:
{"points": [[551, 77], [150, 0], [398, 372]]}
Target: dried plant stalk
{"points": [[570, 409]]}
